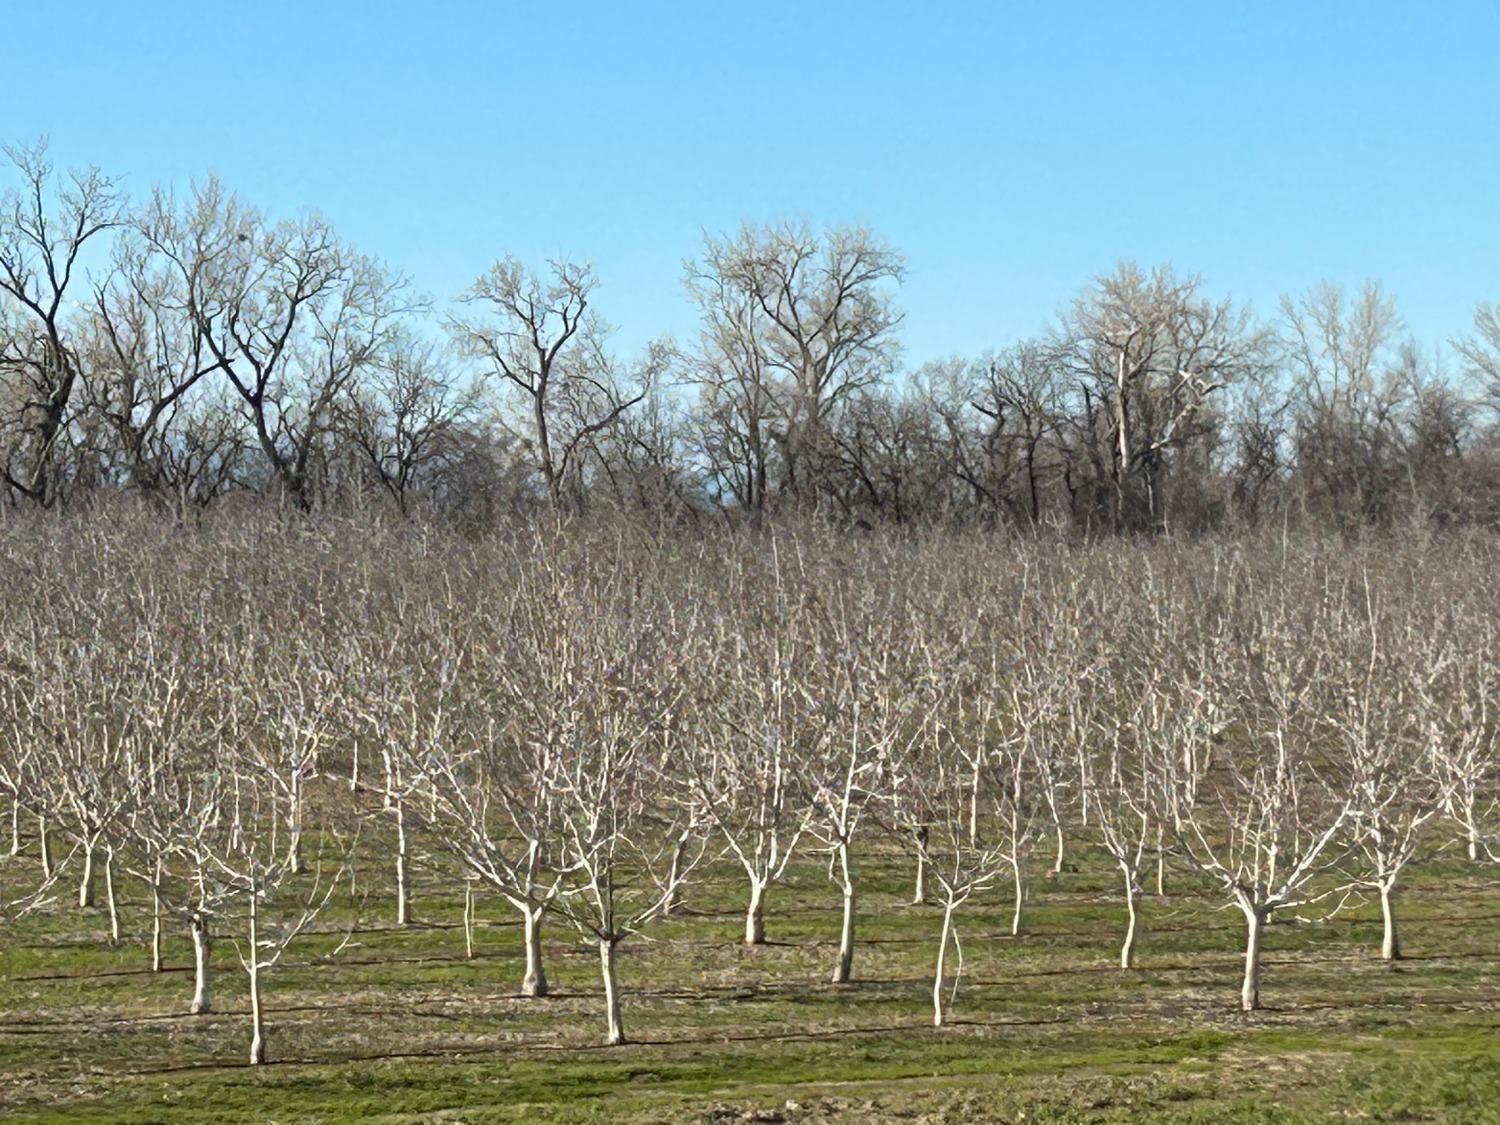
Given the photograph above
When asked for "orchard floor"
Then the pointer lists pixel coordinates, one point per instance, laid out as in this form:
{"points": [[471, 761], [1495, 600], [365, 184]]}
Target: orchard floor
{"points": [[400, 1026]]}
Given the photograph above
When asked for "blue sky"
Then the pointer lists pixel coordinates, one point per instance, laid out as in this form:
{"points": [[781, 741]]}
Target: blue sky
{"points": [[1010, 151]]}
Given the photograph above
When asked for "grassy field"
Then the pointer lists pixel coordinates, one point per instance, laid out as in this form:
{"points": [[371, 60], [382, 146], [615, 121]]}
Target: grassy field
{"points": [[400, 1026]]}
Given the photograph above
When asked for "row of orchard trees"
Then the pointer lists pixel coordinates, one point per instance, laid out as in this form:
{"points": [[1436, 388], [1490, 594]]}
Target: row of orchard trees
{"points": [[592, 720], [186, 345]]}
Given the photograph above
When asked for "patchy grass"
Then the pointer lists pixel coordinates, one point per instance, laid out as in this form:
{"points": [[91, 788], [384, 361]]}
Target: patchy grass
{"points": [[400, 1026]]}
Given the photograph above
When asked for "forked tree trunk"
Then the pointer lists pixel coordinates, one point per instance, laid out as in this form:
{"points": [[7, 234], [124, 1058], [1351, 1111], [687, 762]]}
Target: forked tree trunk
{"points": [[1390, 943], [534, 983], [844, 970], [1255, 922], [616, 1030], [1127, 950], [200, 1005], [755, 913], [86, 883], [938, 1015]]}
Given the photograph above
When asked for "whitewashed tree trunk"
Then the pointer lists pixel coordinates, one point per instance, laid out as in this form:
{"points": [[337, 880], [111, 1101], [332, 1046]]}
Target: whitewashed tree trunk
{"points": [[294, 857], [469, 919], [403, 884], [616, 1030], [156, 922], [86, 882], [938, 1014], [1161, 863], [200, 1004], [109, 896], [1127, 950], [919, 889], [1057, 864], [534, 983], [257, 1021], [755, 913], [1390, 943], [674, 876], [843, 971], [974, 807], [15, 828], [1255, 921], [1020, 889], [44, 847]]}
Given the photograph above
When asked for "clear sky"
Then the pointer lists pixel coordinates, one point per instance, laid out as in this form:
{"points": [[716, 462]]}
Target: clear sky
{"points": [[1011, 151]]}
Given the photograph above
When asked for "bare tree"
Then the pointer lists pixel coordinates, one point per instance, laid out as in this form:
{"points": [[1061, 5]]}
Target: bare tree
{"points": [[539, 337]]}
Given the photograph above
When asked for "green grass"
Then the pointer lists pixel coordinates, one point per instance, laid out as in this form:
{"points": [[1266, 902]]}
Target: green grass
{"points": [[400, 1026]]}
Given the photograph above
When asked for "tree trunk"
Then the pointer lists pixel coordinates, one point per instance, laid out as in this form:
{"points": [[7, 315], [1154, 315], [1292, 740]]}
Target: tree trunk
{"points": [[1015, 918], [534, 983], [15, 828], [1127, 951], [1255, 921], [257, 1022], [674, 877], [937, 980], [86, 883], [843, 971], [469, 919], [44, 847], [109, 896], [1390, 944], [1057, 864], [200, 1005], [616, 1032], [974, 808], [1161, 864], [755, 913], [403, 885], [156, 921], [919, 890]]}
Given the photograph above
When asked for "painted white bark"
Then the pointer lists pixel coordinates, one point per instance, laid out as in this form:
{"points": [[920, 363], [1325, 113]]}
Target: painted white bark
{"points": [[1390, 943], [938, 1015], [469, 919], [109, 896], [616, 1030], [257, 1021], [86, 882], [755, 914], [1255, 923], [403, 883], [1127, 950], [844, 969], [201, 943], [534, 983]]}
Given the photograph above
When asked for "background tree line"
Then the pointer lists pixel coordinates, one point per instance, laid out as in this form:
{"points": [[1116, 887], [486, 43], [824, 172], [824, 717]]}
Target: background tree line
{"points": [[188, 347]]}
